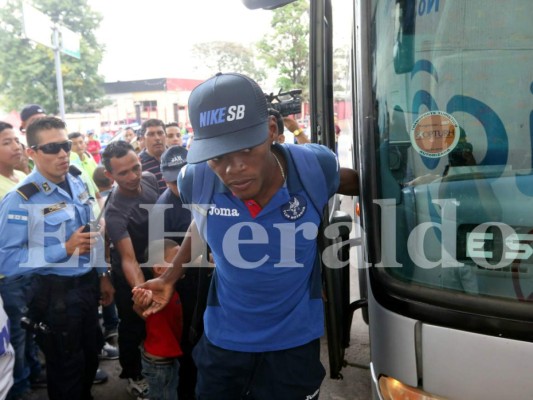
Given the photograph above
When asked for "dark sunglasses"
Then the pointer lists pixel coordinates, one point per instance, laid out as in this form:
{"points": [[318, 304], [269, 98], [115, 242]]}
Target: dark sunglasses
{"points": [[53, 148]]}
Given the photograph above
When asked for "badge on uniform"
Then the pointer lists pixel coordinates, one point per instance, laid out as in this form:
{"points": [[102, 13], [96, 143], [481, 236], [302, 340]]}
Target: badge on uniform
{"points": [[54, 207], [83, 197], [17, 217], [295, 208], [46, 187]]}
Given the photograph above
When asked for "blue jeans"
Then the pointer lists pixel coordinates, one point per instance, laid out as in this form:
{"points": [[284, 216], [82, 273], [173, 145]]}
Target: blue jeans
{"points": [[162, 380], [15, 292]]}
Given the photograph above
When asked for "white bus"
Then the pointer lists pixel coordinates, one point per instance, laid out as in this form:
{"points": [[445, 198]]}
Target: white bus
{"points": [[441, 117]]}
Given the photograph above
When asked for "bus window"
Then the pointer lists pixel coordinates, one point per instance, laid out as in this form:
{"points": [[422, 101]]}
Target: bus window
{"points": [[455, 145]]}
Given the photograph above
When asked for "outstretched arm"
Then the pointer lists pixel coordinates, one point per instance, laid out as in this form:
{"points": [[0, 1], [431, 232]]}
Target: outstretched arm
{"points": [[154, 294], [349, 182]]}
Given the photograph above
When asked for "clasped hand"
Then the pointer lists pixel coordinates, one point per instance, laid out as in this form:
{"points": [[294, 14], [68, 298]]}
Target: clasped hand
{"points": [[152, 296]]}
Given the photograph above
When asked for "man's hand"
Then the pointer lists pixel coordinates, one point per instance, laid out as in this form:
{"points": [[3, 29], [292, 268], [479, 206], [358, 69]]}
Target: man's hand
{"points": [[290, 124], [107, 291], [153, 295], [82, 241]]}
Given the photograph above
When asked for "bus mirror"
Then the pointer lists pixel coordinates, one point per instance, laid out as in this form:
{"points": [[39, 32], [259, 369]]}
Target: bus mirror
{"points": [[404, 46], [266, 4]]}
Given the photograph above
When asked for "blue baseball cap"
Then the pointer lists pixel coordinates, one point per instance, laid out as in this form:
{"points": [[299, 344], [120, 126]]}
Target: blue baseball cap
{"points": [[172, 160], [228, 113]]}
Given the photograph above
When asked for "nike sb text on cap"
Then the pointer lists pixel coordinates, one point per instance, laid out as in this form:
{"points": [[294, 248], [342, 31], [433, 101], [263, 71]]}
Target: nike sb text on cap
{"points": [[228, 113]]}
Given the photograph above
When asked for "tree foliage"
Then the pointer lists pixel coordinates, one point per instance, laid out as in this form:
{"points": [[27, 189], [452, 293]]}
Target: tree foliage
{"points": [[222, 56], [286, 49], [27, 69]]}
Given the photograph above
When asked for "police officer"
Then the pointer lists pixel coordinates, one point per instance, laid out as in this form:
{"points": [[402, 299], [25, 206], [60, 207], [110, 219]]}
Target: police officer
{"points": [[43, 232]]}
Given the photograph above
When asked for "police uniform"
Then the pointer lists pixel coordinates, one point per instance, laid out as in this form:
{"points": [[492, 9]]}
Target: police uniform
{"points": [[38, 217]]}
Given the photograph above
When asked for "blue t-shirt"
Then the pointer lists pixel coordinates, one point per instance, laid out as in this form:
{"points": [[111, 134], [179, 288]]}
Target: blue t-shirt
{"points": [[266, 290], [177, 218]]}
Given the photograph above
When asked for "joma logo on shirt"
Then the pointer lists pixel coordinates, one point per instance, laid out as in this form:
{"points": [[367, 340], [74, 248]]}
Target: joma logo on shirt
{"points": [[224, 212], [221, 115]]}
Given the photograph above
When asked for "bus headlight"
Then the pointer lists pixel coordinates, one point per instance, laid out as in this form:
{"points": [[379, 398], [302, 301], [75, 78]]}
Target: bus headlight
{"points": [[392, 389]]}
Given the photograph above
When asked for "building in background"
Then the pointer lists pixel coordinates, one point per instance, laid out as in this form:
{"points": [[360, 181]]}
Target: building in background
{"points": [[132, 102]]}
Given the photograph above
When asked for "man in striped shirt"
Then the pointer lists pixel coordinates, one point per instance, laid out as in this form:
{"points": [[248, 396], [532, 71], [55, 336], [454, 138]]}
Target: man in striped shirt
{"points": [[153, 131]]}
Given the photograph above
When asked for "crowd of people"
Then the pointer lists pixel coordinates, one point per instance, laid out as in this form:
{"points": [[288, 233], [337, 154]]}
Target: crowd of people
{"points": [[85, 229]]}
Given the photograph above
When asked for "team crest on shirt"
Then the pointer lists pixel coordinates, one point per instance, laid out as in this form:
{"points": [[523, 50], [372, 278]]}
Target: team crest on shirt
{"points": [[295, 208]]}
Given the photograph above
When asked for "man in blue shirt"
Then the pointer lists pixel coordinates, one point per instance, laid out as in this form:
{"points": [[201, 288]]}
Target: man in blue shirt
{"points": [[43, 233], [265, 313]]}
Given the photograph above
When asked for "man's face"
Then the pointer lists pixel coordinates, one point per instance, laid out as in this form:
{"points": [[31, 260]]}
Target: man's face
{"points": [[249, 173], [174, 136], [245, 172], [154, 140], [79, 146], [126, 171], [129, 135], [10, 148], [53, 167]]}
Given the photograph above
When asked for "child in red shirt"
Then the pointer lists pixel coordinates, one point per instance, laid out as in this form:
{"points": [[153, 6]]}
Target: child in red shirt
{"points": [[161, 349]]}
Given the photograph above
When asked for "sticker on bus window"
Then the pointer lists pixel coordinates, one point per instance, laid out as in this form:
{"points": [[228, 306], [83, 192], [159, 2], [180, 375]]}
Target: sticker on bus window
{"points": [[434, 134]]}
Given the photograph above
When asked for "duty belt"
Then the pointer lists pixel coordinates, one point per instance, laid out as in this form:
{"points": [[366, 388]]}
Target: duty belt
{"points": [[71, 282]]}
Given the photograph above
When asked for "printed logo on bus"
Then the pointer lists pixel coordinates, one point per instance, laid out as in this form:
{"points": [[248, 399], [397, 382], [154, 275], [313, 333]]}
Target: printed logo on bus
{"points": [[434, 134]]}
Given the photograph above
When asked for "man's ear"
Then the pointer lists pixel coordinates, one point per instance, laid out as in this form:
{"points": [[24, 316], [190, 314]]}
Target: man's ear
{"points": [[272, 128], [30, 152], [108, 175]]}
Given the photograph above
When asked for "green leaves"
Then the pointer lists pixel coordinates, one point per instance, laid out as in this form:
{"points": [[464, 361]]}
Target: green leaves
{"points": [[27, 69], [286, 49]]}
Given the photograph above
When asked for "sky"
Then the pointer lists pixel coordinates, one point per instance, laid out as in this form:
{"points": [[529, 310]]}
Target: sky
{"points": [[153, 39]]}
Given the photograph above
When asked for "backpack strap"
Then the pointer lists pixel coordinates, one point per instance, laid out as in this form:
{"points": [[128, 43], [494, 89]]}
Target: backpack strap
{"points": [[311, 175], [203, 187]]}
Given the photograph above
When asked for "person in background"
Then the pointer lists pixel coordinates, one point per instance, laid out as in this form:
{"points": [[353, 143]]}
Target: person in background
{"points": [[140, 144], [10, 157], [16, 290], [66, 286], [79, 155], [298, 132], [161, 348], [93, 146], [127, 225], [86, 164], [129, 135], [173, 134], [132, 138], [190, 140], [177, 220], [109, 313], [25, 164], [7, 354], [265, 312], [29, 114], [103, 183], [153, 131], [183, 129]]}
